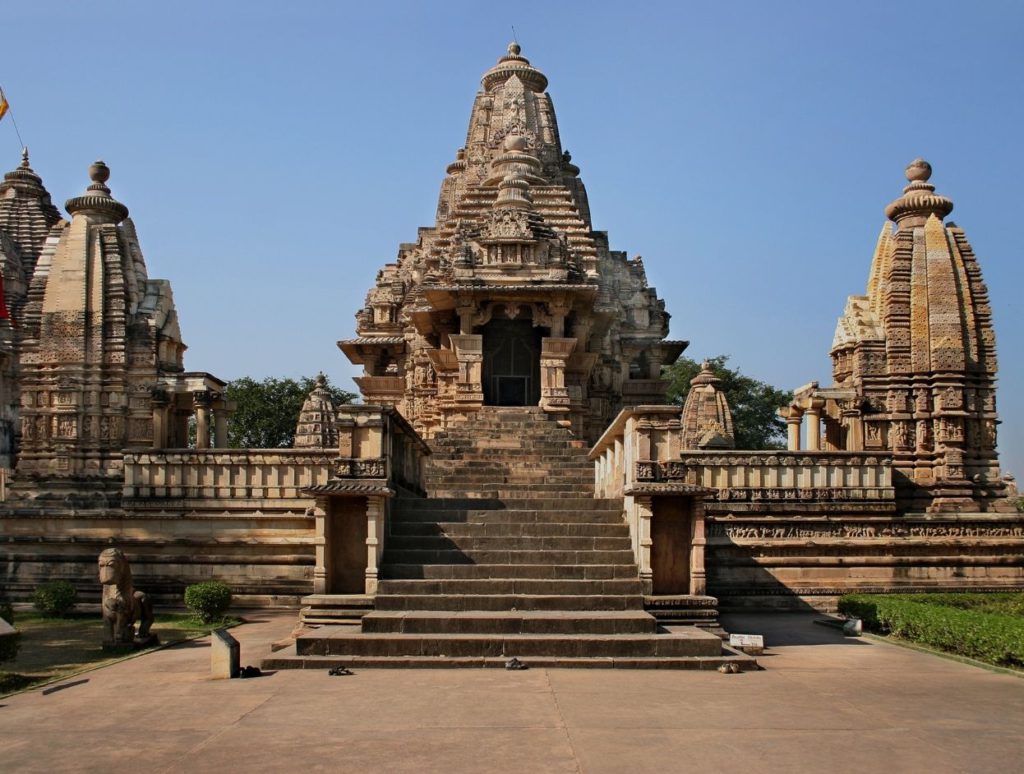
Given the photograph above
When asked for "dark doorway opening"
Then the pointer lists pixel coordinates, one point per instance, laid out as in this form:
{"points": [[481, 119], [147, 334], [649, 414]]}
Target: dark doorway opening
{"points": [[670, 545], [511, 367]]}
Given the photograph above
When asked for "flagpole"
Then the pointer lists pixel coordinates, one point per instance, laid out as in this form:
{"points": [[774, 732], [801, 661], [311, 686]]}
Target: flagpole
{"points": [[11, 114]]}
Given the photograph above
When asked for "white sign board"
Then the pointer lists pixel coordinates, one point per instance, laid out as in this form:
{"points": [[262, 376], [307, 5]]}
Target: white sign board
{"points": [[746, 641]]}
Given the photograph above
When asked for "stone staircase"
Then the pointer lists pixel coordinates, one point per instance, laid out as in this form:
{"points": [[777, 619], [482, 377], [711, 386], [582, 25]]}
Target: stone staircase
{"points": [[509, 555]]}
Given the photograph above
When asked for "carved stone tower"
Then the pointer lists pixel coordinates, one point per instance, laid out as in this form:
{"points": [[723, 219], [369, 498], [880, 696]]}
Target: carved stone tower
{"points": [[918, 353], [98, 336], [26, 216], [707, 419], [512, 298]]}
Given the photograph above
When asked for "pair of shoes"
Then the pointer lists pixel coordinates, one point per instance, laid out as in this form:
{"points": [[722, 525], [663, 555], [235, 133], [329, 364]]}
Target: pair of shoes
{"points": [[340, 672], [515, 664]]}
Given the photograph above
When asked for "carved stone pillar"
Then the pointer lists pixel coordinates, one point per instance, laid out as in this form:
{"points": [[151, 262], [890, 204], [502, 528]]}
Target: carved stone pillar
{"points": [[555, 352], [854, 429], [698, 575], [794, 418], [221, 416], [160, 401], [833, 434], [469, 351], [375, 512], [201, 401], [321, 572], [644, 512], [814, 424]]}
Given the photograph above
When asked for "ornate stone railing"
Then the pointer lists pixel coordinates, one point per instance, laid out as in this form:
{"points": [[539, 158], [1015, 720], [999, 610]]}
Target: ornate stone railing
{"points": [[237, 474], [778, 476], [636, 436], [376, 442]]}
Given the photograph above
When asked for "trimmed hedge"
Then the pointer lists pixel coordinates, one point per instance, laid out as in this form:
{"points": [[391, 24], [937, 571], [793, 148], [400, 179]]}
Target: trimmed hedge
{"points": [[208, 601], [9, 646], [55, 598], [955, 623]]}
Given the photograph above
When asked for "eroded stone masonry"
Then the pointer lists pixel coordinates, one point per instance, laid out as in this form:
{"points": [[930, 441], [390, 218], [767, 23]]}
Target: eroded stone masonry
{"points": [[513, 470]]}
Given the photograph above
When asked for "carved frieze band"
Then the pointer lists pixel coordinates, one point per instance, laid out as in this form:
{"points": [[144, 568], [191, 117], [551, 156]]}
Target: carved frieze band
{"points": [[807, 531], [360, 468]]}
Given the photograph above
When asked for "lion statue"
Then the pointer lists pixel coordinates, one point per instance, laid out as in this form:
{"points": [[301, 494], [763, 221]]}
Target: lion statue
{"points": [[122, 605]]}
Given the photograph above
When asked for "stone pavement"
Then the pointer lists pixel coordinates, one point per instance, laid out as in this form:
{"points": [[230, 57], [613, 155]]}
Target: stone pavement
{"points": [[823, 703]]}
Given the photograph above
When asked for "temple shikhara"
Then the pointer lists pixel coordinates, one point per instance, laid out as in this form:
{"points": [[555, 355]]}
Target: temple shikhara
{"points": [[513, 481]]}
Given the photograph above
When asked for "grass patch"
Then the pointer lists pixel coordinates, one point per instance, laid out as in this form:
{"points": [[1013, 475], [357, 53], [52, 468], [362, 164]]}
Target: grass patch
{"points": [[54, 648], [985, 627]]}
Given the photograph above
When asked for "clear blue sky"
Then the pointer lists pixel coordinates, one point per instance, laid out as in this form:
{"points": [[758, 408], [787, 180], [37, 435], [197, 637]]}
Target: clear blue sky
{"points": [[274, 155]]}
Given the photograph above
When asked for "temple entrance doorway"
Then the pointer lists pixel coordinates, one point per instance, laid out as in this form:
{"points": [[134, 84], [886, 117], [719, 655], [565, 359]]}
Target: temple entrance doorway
{"points": [[511, 367]]}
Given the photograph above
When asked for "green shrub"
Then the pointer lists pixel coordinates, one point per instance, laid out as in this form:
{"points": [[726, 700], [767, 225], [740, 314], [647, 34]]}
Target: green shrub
{"points": [[964, 628], [208, 601], [6, 609], [9, 645], [55, 598]]}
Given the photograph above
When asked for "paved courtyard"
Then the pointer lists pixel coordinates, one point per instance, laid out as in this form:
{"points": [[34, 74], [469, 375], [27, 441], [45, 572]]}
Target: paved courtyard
{"points": [[823, 703]]}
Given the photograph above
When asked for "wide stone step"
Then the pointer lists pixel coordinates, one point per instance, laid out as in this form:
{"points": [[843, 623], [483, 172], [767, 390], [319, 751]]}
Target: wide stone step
{"points": [[519, 622], [512, 516], [405, 505], [287, 659], [473, 544], [509, 602], [502, 491], [510, 529], [403, 515], [454, 556], [539, 571], [509, 586], [344, 642], [470, 478]]}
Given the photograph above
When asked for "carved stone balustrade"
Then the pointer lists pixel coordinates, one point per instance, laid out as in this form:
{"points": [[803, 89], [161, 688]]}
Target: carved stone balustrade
{"points": [[236, 474]]}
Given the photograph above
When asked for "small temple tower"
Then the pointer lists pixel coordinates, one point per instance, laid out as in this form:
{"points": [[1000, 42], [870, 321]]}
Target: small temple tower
{"points": [[26, 216], [512, 298], [707, 419], [98, 335], [914, 361], [317, 425]]}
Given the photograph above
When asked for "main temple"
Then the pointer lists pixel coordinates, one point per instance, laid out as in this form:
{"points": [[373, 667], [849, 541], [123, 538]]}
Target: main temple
{"points": [[513, 482], [512, 298]]}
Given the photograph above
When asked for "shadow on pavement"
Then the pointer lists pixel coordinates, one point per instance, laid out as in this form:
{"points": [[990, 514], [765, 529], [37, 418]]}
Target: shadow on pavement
{"points": [[783, 629]]}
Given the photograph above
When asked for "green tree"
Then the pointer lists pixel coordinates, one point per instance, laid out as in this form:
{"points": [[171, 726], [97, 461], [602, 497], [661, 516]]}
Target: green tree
{"points": [[753, 402], [269, 410]]}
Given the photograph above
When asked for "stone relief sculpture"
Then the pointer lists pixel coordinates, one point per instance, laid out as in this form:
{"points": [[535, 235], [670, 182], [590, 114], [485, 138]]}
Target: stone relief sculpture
{"points": [[122, 605]]}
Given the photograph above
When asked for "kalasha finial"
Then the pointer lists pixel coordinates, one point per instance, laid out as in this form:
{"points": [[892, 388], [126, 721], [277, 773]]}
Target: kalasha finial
{"points": [[919, 198], [514, 49], [99, 172], [24, 156], [918, 170], [321, 380], [97, 198]]}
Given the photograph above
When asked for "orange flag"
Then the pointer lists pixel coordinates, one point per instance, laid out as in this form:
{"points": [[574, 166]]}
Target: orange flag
{"points": [[3, 104]]}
